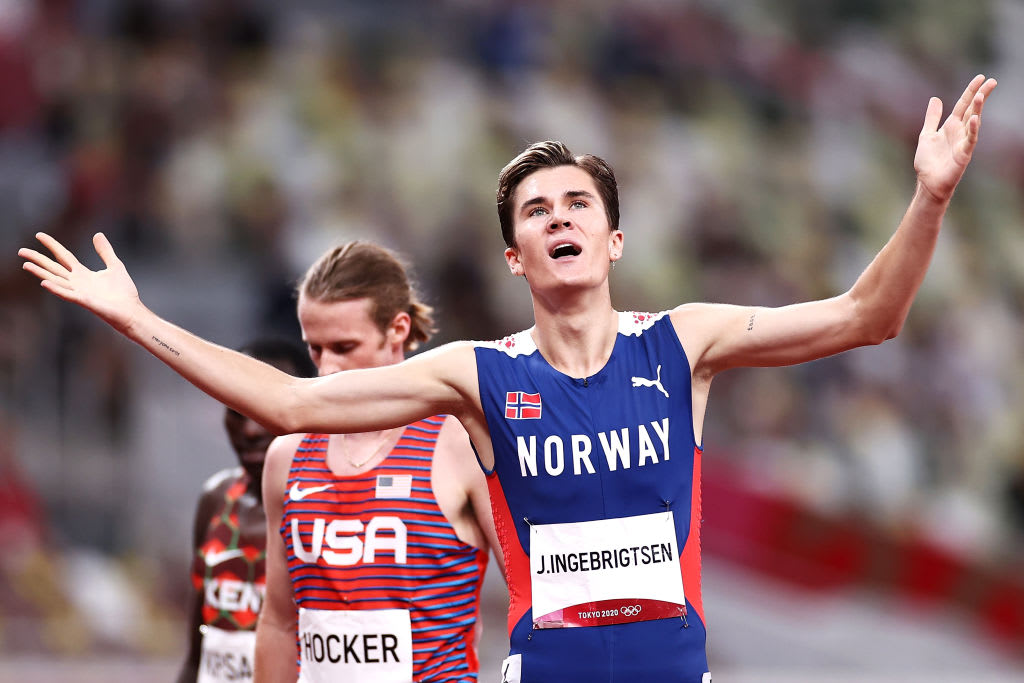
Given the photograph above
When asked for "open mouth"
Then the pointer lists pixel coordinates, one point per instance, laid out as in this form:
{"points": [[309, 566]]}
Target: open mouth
{"points": [[564, 249]]}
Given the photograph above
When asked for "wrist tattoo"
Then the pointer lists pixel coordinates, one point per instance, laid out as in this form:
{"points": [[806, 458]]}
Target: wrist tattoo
{"points": [[750, 323], [166, 346]]}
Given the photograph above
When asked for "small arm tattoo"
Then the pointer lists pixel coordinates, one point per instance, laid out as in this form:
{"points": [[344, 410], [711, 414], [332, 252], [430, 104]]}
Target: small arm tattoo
{"points": [[750, 323], [166, 346]]}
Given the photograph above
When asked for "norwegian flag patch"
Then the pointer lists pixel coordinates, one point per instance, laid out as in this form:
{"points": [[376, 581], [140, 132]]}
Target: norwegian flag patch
{"points": [[520, 405]]}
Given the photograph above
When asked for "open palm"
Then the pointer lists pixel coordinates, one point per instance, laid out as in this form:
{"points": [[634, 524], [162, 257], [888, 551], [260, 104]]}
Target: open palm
{"points": [[109, 293], [944, 152]]}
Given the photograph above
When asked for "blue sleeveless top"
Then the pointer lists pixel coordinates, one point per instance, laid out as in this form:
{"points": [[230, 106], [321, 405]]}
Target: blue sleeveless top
{"points": [[618, 445]]}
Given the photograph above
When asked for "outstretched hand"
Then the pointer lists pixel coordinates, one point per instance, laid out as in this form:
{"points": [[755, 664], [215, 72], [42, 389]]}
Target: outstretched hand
{"points": [[944, 152], [109, 293]]}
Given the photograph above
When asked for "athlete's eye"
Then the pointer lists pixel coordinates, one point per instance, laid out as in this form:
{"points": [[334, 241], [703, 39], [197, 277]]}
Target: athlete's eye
{"points": [[578, 204], [537, 211], [343, 349]]}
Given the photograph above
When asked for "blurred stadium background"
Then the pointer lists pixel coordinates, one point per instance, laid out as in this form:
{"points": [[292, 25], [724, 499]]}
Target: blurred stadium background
{"points": [[864, 515]]}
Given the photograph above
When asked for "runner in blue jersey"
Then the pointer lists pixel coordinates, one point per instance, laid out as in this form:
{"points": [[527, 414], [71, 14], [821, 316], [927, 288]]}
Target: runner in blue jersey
{"points": [[589, 422]]}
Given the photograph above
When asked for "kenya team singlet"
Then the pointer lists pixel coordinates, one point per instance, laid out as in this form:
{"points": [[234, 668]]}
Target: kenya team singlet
{"points": [[596, 499], [230, 570], [386, 590]]}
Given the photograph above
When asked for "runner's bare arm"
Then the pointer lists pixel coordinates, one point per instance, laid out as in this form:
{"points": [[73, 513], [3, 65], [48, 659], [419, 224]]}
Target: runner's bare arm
{"points": [[276, 629], [717, 337], [441, 381]]}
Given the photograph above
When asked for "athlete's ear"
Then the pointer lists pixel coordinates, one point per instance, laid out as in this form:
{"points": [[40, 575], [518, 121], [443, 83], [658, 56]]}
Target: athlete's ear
{"points": [[615, 245], [514, 264], [398, 330]]}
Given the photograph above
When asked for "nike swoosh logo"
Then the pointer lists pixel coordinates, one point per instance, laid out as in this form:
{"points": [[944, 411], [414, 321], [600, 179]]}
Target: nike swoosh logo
{"points": [[213, 559], [295, 493]]}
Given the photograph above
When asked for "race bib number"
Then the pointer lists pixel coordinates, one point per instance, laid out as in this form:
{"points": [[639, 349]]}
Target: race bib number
{"points": [[607, 571], [227, 656], [360, 645]]}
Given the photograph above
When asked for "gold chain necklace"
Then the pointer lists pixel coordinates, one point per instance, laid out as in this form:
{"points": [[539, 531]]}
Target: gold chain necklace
{"points": [[376, 451]]}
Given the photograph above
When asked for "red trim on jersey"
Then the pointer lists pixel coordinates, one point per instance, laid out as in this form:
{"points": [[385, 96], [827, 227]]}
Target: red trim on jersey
{"points": [[689, 557], [517, 564]]}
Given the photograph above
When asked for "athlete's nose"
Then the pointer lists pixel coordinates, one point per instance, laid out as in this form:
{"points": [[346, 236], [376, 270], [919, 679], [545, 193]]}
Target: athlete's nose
{"points": [[557, 223], [332, 363], [329, 364]]}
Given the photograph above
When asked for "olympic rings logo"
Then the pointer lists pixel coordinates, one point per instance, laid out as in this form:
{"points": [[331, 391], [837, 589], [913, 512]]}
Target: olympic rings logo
{"points": [[630, 610]]}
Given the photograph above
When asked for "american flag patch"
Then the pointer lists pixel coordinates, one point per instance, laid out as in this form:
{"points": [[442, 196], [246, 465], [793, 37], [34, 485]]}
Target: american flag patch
{"points": [[394, 486], [520, 405]]}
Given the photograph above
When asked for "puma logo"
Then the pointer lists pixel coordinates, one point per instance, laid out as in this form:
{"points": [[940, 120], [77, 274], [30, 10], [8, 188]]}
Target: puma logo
{"points": [[656, 383]]}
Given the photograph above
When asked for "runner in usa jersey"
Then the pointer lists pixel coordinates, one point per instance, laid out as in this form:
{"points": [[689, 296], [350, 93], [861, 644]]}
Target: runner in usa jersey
{"points": [[596, 498], [378, 541], [386, 590], [587, 423]]}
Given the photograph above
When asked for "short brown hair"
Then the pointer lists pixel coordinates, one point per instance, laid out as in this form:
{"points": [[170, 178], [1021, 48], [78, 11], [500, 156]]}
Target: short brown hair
{"points": [[361, 269], [551, 154]]}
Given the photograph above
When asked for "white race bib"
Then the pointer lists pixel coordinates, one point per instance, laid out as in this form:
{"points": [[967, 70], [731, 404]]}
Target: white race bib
{"points": [[358, 645], [227, 656], [607, 571], [512, 669]]}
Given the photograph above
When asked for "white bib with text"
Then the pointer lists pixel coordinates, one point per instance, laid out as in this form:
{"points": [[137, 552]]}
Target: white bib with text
{"points": [[358, 645], [227, 656], [606, 571]]}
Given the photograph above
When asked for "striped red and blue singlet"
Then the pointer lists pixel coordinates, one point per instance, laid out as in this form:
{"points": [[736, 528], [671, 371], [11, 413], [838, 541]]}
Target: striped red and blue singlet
{"points": [[439, 582]]}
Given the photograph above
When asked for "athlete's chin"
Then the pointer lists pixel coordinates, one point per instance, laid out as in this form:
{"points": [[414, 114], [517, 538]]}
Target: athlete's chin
{"points": [[569, 283]]}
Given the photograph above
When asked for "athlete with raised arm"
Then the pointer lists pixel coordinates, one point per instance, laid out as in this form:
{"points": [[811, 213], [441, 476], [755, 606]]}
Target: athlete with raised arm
{"points": [[594, 481], [378, 539]]}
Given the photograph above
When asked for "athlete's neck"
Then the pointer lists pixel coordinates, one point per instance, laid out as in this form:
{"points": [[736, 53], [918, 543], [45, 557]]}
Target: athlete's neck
{"points": [[576, 339]]}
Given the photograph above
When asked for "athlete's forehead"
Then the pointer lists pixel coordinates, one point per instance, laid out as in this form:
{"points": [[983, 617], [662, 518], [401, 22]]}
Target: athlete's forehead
{"points": [[325, 322], [548, 185]]}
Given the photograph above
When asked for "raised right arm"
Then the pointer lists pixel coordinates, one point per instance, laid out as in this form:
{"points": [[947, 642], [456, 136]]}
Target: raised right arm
{"points": [[440, 381]]}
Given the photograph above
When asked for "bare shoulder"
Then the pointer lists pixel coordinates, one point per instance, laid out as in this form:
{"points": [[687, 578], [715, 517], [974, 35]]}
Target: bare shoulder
{"points": [[278, 462], [454, 366], [281, 451], [697, 317], [453, 362], [699, 321], [701, 326]]}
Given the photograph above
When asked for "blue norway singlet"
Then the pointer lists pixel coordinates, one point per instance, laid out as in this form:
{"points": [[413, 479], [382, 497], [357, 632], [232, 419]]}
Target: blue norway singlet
{"points": [[596, 499]]}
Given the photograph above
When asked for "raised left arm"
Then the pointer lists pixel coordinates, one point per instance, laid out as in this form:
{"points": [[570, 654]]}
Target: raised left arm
{"points": [[717, 337]]}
